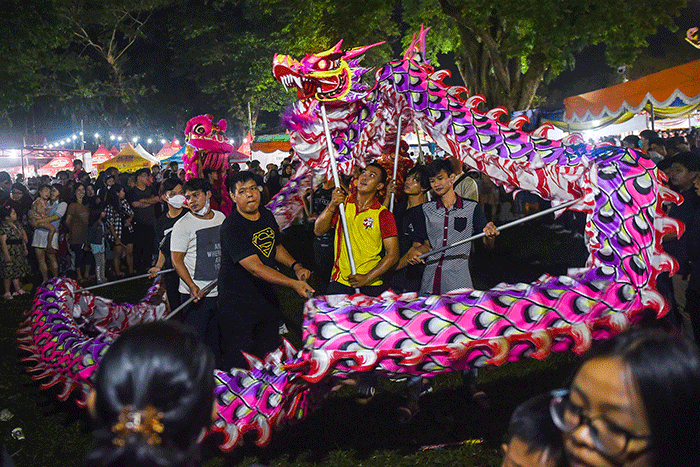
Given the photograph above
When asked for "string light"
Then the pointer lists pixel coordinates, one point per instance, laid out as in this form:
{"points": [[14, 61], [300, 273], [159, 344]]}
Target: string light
{"points": [[112, 137]]}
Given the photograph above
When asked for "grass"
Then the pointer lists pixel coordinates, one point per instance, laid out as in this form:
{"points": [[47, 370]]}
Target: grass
{"points": [[340, 433]]}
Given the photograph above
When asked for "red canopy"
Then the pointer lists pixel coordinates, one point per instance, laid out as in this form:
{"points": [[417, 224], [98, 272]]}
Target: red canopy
{"points": [[102, 154], [168, 150], [114, 151], [57, 164], [244, 148]]}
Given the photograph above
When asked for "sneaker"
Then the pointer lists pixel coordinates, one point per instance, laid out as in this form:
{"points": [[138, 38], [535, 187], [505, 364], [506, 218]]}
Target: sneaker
{"points": [[7, 296], [408, 411], [426, 387], [365, 393]]}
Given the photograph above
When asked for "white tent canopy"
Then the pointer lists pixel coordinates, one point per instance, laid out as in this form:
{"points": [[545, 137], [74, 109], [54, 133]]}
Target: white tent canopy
{"points": [[146, 155]]}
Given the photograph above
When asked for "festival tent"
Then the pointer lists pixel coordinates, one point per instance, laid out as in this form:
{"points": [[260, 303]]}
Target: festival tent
{"points": [[237, 157], [146, 155], [63, 162], [671, 93], [29, 171], [168, 150], [114, 151], [102, 154], [177, 157], [270, 149], [128, 160], [244, 148]]}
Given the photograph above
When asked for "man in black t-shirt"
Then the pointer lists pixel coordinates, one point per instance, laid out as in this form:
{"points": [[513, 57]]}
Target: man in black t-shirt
{"points": [[143, 201], [248, 314]]}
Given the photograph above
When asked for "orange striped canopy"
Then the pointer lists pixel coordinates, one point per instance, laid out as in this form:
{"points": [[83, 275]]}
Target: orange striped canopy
{"points": [[660, 89]]}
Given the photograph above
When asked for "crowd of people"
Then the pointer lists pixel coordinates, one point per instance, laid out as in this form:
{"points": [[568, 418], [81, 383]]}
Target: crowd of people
{"points": [[152, 220]]}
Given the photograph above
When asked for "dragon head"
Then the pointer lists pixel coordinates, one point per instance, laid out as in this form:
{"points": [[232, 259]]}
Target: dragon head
{"points": [[333, 75], [205, 135]]}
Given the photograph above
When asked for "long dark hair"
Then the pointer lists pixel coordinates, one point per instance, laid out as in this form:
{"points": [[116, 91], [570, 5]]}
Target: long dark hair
{"points": [[665, 369], [112, 198], [163, 367]]}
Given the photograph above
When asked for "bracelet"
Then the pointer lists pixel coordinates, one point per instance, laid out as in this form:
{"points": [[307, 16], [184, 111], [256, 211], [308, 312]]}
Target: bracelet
{"points": [[294, 264]]}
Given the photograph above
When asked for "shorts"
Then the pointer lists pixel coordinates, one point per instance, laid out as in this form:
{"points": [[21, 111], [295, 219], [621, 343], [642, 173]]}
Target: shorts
{"points": [[41, 239]]}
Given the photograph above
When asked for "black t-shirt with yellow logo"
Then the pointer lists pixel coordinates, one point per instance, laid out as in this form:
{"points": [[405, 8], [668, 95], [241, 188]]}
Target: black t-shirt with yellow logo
{"points": [[241, 238]]}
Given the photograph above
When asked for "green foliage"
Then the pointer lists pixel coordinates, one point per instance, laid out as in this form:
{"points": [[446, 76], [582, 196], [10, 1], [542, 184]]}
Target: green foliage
{"points": [[31, 38], [533, 35]]}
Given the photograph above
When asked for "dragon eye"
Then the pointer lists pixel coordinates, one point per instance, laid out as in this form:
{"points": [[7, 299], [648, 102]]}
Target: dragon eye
{"points": [[322, 64], [199, 129]]}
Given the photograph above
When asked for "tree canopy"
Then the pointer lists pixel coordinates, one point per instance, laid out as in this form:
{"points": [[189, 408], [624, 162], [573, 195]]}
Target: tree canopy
{"points": [[129, 61]]}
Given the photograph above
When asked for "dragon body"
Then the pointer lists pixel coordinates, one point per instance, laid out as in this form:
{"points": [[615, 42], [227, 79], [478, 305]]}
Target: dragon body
{"points": [[619, 191]]}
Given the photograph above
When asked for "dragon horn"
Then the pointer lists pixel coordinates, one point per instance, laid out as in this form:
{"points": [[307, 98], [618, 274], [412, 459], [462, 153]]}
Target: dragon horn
{"points": [[417, 43]]}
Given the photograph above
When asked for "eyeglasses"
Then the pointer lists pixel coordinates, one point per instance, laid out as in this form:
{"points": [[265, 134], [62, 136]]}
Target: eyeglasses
{"points": [[252, 189], [608, 438]]}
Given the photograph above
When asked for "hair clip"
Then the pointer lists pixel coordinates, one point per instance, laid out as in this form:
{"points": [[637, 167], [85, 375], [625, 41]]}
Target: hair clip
{"points": [[146, 422]]}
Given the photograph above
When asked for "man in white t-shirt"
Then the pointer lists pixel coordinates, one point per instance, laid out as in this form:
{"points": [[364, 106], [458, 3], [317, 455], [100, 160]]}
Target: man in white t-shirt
{"points": [[195, 248]]}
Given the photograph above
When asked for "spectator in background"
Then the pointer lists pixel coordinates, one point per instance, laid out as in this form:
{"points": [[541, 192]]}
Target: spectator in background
{"points": [[109, 180], [77, 221], [143, 200], [157, 174], [91, 198], [212, 176], [119, 218], [645, 137], [13, 246], [286, 175], [153, 398], [5, 187], [83, 177], [631, 142], [77, 168], [45, 251], [21, 201], [322, 244], [657, 150], [633, 403], [171, 171], [464, 185], [63, 176], [272, 180], [39, 212], [97, 238], [533, 438], [171, 193], [684, 170]]}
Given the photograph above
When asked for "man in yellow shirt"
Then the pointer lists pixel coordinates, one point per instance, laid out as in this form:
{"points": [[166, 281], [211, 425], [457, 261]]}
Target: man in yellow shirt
{"points": [[372, 231]]}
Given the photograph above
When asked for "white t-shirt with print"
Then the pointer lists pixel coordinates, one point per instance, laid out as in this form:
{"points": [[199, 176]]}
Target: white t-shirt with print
{"points": [[199, 239]]}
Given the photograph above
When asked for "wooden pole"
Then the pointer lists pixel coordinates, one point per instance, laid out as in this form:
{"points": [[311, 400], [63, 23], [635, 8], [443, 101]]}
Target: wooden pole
{"points": [[396, 162], [503, 227], [336, 179]]}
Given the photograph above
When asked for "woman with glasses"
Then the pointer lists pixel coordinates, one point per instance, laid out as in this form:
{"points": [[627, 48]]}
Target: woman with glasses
{"points": [[634, 402]]}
